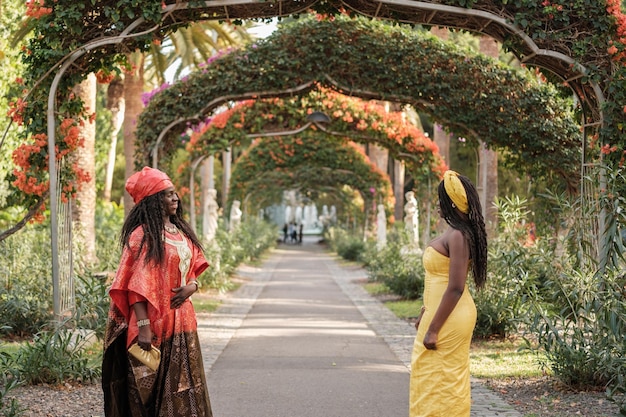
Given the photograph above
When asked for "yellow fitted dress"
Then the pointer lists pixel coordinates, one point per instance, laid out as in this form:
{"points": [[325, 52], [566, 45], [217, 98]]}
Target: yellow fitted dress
{"points": [[440, 379]]}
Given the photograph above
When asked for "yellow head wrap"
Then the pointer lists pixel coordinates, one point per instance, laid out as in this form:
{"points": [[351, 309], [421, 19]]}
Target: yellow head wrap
{"points": [[455, 190]]}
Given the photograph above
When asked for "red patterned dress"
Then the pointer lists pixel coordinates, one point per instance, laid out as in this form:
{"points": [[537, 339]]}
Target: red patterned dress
{"points": [[178, 387]]}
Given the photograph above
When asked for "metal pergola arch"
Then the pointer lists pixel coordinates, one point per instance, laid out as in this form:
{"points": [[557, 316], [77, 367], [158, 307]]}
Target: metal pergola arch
{"points": [[485, 20]]}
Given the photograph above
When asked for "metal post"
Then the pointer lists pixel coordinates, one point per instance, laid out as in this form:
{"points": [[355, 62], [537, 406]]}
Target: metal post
{"points": [[192, 197]]}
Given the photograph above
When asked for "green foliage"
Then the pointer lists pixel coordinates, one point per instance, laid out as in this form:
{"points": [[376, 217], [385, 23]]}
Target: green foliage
{"points": [[517, 270], [10, 17], [9, 407], [400, 270], [92, 302], [346, 245], [108, 223], [584, 339], [247, 243], [309, 161], [25, 290], [57, 356], [579, 318], [509, 106]]}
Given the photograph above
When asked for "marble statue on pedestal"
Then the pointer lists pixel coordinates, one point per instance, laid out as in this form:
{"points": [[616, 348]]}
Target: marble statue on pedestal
{"points": [[381, 227], [411, 218], [212, 210], [235, 215]]}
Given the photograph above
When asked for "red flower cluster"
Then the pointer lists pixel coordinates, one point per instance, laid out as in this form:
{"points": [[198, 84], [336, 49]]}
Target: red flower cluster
{"points": [[618, 50], [36, 9], [104, 77], [16, 111], [32, 162]]}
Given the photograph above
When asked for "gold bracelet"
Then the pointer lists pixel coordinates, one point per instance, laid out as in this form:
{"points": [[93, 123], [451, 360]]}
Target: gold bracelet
{"points": [[195, 282], [143, 322]]}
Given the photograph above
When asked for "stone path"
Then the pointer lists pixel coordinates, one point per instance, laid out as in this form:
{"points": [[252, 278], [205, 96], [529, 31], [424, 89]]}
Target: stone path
{"points": [[252, 314]]}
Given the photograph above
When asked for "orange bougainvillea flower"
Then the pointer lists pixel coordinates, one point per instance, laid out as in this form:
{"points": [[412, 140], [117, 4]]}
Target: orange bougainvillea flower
{"points": [[36, 9]]}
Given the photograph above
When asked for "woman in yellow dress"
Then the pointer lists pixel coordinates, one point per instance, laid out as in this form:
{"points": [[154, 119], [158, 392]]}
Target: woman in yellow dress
{"points": [[440, 378]]}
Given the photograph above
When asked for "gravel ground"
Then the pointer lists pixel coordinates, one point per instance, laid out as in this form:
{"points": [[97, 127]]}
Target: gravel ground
{"points": [[65, 401], [532, 398], [543, 397]]}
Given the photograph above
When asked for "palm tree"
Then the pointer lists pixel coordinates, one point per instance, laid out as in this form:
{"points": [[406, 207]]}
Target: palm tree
{"points": [[183, 51]]}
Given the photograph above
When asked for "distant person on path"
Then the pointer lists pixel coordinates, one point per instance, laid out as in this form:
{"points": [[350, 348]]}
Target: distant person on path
{"points": [[294, 233], [300, 227], [285, 232], [150, 305], [440, 376]]}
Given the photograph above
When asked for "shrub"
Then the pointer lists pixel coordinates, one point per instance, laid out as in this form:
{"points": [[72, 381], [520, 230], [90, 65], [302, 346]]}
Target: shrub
{"points": [[56, 356], [401, 271], [8, 382], [247, 243], [347, 246], [25, 290], [580, 318], [516, 271], [92, 302]]}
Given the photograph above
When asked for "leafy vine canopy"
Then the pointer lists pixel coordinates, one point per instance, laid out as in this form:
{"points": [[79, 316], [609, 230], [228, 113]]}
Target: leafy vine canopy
{"points": [[365, 122], [473, 95], [309, 162], [96, 35]]}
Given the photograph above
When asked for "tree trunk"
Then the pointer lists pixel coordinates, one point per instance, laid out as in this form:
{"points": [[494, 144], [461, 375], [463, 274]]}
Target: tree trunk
{"points": [[84, 203], [489, 158], [116, 104], [133, 89]]}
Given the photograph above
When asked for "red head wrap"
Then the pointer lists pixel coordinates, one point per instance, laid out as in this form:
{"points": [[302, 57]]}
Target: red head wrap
{"points": [[147, 182]]}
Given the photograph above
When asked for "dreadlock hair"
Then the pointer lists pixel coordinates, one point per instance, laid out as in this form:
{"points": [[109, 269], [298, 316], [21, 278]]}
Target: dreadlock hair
{"points": [[149, 213], [472, 226]]}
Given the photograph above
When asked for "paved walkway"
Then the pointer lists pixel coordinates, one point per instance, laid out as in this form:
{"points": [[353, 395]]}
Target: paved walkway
{"points": [[301, 338]]}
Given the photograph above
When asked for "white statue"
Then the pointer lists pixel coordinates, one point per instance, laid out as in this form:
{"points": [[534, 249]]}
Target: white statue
{"points": [[381, 227], [411, 218], [288, 214], [325, 217], [235, 215], [307, 212], [333, 214], [298, 218], [212, 210]]}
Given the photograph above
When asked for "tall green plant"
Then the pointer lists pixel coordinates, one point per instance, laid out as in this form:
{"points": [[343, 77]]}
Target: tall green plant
{"points": [[57, 356], [400, 270], [581, 321], [9, 407], [517, 270]]}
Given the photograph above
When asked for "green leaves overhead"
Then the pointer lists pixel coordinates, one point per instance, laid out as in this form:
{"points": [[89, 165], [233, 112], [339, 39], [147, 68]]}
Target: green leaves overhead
{"points": [[476, 97]]}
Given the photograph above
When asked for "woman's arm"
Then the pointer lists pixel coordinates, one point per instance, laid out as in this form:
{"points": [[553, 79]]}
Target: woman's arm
{"points": [[458, 251], [144, 339]]}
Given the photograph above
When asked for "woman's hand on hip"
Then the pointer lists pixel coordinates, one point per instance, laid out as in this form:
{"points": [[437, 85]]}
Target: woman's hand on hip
{"points": [[430, 340], [181, 294]]}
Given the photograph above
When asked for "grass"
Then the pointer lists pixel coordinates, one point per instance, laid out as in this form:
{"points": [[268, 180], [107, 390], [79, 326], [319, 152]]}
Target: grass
{"points": [[205, 304], [501, 359], [10, 347], [493, 359]]}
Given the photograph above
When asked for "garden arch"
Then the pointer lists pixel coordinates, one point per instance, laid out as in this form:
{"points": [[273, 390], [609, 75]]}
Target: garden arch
{"points": [[79, 38], [296, 162], [509, 109], [353, 119]]}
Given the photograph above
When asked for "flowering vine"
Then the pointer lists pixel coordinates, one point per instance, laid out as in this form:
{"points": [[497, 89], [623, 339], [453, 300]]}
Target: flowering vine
{"points": [[352, 119], [590, 31], [308, 161]]}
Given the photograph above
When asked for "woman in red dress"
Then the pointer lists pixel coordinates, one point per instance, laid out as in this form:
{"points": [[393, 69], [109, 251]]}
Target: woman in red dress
{"points": [[150, 306]]}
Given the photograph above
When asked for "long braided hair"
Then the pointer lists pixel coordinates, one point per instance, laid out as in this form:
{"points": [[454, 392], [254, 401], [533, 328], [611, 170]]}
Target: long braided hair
{"points": [[472, 227], [149, 213]]}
